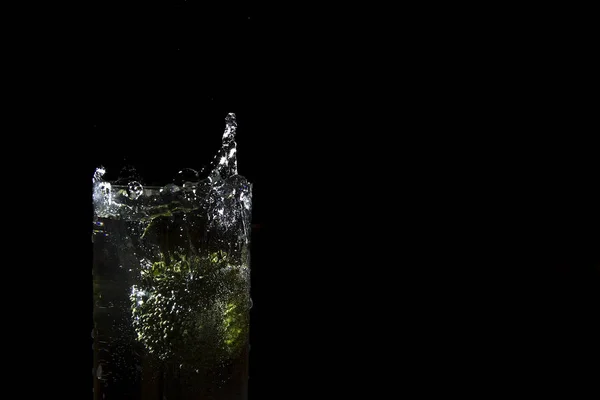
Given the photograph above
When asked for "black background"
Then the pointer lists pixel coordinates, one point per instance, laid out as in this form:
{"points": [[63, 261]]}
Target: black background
{"points": [[412, 233]]}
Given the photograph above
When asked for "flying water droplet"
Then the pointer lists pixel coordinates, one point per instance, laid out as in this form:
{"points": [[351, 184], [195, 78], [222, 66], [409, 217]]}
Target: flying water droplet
{"points": [[204, 172], [134, 190], [99, 372]]}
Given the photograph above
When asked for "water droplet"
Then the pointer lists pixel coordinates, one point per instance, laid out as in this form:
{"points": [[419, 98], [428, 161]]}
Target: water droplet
{"points": [[204, 172], [186, 175], [134, 190], [251, 303], [98, 174], [99, 371], [171, 188], [92, 333]]}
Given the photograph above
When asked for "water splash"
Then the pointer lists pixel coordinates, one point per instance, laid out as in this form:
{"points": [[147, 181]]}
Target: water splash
{"points": [[227, 158], [98, 174], [221, 184], [206, 217]]}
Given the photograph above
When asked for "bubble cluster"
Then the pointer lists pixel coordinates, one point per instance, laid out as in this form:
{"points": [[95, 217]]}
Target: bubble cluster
{"points": [[134, 189], [192, 309]]}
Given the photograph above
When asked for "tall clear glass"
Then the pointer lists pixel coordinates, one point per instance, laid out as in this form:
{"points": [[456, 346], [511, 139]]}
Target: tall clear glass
{"points": [[172, 285]]}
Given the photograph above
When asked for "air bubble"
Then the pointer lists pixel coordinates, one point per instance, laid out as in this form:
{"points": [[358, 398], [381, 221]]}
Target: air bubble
{"points": [[134, 190]]}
